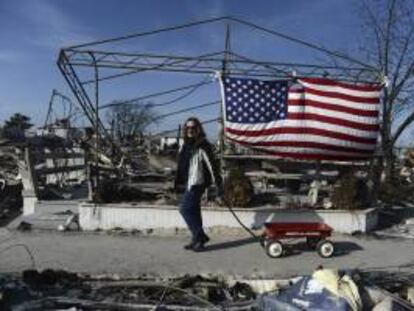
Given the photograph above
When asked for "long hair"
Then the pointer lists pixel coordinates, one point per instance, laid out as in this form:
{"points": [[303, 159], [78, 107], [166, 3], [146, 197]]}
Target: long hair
{"points": [[199, 128]]}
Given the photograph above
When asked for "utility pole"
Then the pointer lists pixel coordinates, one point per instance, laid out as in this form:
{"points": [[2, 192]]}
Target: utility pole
{"points": [[224, 72], [94, 171]]}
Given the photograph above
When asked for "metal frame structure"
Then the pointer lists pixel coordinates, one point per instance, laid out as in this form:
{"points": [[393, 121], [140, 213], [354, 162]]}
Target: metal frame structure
{"points": [[123, 64], [110, 64]]}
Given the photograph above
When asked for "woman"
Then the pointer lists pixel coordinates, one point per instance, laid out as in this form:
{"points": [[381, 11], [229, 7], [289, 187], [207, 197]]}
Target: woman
{"points": [[197, 169]]}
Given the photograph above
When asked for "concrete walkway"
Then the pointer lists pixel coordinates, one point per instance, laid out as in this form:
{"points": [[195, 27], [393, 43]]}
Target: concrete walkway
{"points": [[133, 255]]}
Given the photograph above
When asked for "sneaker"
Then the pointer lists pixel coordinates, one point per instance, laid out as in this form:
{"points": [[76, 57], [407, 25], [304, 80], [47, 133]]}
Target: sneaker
{"points": [[205, 239], [199, 247]]}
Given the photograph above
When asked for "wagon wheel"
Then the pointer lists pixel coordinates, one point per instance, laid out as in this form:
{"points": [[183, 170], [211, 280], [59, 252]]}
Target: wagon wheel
{"points": [[274, 249], [325, 248], [312, 242]]}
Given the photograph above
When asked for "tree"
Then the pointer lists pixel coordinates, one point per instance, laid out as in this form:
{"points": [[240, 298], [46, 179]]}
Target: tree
{"points": [[129, 119], [389, 46], [15, 127]]}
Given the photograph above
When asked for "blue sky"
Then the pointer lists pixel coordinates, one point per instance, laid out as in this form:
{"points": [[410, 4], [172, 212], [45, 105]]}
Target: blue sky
{"points": [[34, 30]]}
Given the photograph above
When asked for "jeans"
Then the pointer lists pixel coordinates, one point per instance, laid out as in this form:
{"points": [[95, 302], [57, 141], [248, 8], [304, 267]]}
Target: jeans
{"points": [[190, 210]]}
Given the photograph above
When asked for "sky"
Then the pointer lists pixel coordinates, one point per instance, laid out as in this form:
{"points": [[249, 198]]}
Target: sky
{"points": [[33, 31]]}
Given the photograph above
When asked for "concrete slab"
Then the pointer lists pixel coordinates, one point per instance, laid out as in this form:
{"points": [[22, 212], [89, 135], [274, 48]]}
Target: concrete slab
{"points": [[141, 217], [48, 215], [134, 255]]}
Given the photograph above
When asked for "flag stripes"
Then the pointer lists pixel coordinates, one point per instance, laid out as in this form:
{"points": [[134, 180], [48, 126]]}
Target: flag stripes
{"points": [[325, 120]]}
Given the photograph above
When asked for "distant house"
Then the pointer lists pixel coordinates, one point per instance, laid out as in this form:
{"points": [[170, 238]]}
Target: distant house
{"points": [[168, 143]]}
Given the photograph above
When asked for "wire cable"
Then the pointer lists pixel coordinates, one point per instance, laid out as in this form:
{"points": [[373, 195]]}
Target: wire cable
{"points": [[147, 33], [254, 236], [175, 130], [166, 92], [302, 42], [195, 88], [163, 116], [33, 262]]}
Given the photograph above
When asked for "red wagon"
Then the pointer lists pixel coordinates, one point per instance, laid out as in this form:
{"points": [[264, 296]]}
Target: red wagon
{"points": [[316, 235]]}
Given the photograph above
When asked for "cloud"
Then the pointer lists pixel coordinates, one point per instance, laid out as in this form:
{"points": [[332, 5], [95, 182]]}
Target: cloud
{"points": [[50, 26]]}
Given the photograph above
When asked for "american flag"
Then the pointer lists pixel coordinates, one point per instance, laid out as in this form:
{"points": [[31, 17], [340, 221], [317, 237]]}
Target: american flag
{"points": [[316, 118]]}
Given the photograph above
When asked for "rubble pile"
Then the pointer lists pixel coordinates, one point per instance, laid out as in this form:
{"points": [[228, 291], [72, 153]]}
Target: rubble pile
{"points": [[324, 290], [10, 186], [61, 290]]}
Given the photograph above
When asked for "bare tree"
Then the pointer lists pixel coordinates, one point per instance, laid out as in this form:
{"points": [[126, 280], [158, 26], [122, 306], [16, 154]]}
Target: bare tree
{"points": [[389, 46], [129, 119]]}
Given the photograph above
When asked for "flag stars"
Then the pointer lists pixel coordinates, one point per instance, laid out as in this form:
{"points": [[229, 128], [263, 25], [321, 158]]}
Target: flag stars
{"points": [[253, 101]]}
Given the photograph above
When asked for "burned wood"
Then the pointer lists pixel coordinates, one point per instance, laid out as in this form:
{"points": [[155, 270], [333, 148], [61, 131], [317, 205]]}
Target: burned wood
{"points": [[94, 305], [55, 289]]}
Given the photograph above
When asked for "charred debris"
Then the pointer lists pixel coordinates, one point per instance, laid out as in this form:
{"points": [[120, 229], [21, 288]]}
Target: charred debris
{"points": [[325, 289]]}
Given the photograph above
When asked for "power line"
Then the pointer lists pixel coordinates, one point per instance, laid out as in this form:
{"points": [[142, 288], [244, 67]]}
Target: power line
{"points": [[175, 130], [196, 87], [170, 91], [185, 110]]}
